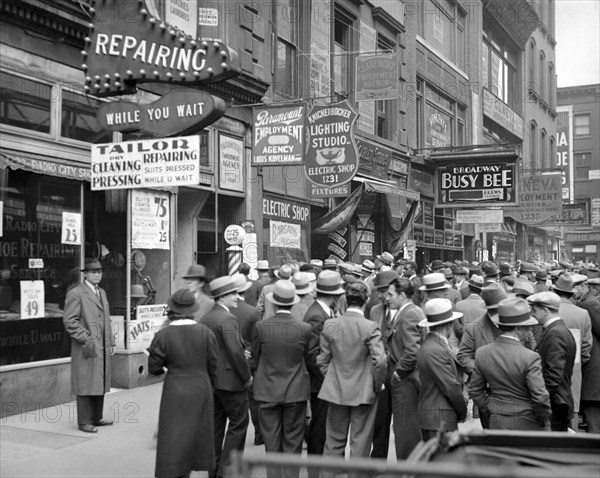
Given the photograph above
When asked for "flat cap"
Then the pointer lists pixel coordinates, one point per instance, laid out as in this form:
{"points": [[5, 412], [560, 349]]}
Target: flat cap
{"points": [[545, 299]]}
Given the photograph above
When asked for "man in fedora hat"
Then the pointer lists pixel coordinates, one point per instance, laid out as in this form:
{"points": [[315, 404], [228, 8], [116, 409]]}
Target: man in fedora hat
{"points": [[282, 386], [351, 343], [264, 307], [578, 321], [436, 265], [441, 404], [541, 276], [436, 286], [557, 349], [87, 321], [527, 270], [460, 281], [594, 286], [583, 297], [403, 339], [195, 281], [473, 307], [507, 380], [305, 291], [233, 376], [410, 272], [369, 272], [253, 293], [328, 289]]}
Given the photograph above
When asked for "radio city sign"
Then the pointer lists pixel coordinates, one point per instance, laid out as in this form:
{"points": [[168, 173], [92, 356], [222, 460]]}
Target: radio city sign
{"points": [[128, 44], [474, 185]]}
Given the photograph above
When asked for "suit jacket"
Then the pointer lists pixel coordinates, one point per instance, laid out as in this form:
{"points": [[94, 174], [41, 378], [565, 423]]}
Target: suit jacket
{"points": [[475, 335], [404, 340], [351, 353], [279, 357], [441, 403], [247, 317], [540, 286], [253, 293], [557, 350], [299, 309], [315, 316], [87, 321], [590, 389], [265, 307], [206, 304], [378, 315], [472, 308], [514, 375], [233, 372]]}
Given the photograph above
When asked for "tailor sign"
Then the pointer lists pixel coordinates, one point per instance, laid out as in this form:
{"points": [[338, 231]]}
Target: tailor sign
{"points": [[129, 44], [178, 112], [331, 152], [487, 182]]}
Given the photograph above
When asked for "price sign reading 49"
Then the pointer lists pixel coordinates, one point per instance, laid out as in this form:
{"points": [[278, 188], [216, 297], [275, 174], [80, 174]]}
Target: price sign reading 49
{"points": [[32, 299]]}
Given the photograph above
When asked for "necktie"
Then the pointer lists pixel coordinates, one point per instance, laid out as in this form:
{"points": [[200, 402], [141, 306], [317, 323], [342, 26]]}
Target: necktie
{"points": [[97, 291]]}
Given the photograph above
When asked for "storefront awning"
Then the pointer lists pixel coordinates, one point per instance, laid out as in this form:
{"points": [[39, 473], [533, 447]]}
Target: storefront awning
{"points": [[387, 188], [39, 164], [340, 216]]}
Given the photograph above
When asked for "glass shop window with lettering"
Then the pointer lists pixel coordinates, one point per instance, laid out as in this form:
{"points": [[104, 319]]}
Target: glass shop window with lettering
{"points": [[441, 121], [500, 70], [39, 263]]}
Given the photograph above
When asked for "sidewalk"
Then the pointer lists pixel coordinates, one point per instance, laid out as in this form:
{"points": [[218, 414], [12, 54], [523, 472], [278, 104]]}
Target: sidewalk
{"points": [[47, 443]]}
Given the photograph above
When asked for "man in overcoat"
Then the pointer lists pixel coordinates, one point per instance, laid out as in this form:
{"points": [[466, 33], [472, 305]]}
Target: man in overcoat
{"points": [[87, 321], [557, 349], [233, 374]]}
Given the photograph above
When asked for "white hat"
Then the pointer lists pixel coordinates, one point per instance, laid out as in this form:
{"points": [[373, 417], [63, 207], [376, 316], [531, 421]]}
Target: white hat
{"points": [[438, 311]]}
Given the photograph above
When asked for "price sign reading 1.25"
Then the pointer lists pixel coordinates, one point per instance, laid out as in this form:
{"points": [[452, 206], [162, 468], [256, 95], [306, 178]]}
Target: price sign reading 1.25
{"points": [[32, 299]]}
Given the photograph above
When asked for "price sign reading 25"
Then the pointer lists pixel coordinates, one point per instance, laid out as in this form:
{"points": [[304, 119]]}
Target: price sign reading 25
{"points": [[71, 228]]}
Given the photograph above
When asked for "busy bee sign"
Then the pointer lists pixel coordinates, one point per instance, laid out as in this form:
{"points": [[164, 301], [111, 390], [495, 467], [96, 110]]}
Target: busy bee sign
{"points": [[485, 182]]}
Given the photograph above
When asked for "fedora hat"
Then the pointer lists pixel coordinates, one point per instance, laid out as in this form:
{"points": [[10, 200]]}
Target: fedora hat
{"points": [[513, 312], [505, 269], [563, 284], [346, 268], [196, 271], [594, 281], [384, 279], [284, 272], [329, 282], [357, 271], [183, 302], [137, 291], [434, 281], [367, 266], [386, 258], [92, 264], [565, 265], [284, 293], [489, 269], [493, 294], [545, 299], [475, 281], [523, 287], [579, 279], [458, 270], [349, 279], [438, 312], [262, 265], [541, 274], [330, 264], [448, 274], [240, 282], [436, 265], [301, 281], [526, 267], [316, 262], [222, 286]]}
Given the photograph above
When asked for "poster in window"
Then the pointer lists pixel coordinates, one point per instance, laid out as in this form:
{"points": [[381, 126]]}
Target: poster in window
{"points": [[71, 228], [428, 213], [231, 163], [150, 220], [438, 128], [32, 299]]}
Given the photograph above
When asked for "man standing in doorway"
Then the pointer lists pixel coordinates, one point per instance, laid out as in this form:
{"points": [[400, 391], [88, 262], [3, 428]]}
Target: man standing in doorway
{"points": [[87, 321]]}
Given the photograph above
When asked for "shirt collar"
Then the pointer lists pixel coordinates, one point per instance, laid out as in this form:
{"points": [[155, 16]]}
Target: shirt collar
{"points": [[356, 310], [550, 322], [91, 286], [225, 307], [510, 337], [441, 337], [325, 307]]}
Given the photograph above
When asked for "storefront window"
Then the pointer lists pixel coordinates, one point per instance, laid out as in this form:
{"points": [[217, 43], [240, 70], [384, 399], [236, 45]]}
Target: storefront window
{"points": [[39, 263], [440, 121]]}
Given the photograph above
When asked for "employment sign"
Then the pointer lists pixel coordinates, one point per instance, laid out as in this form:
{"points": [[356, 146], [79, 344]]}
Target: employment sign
{"points": [[539, 198], [331, 152], [278, 138], [146, 163]]}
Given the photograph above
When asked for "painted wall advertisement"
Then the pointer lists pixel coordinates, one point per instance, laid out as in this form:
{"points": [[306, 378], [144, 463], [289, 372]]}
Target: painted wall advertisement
{"points": [[438, 131], [331, 152], [487, 182], [150, 220], [539, 198], [377, 77], [278, 137], [231, 163], [146, 163]]}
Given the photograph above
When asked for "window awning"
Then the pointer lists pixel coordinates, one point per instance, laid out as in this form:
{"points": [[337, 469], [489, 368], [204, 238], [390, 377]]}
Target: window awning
{"points": [[40, 164], [387, 188]]}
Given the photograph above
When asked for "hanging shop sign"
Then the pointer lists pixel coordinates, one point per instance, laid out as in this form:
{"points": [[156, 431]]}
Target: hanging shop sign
{"points": [[374, 159], [564, 149], [583, 237], [474, 184], [539, 198], [331, 152], [324, 192], [129, 44], [376, 77], [480, 216], [146, 163], [150, 219], [234, 235], [179, 112], [573, 214], [278, 136], [499, 112]]}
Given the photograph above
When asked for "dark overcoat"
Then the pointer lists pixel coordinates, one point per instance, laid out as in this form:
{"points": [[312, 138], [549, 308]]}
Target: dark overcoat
{"points": [[87, 321]]}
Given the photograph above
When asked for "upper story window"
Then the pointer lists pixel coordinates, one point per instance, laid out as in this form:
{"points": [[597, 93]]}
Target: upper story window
{"points": [[581, 124], [533, 146], [532, 57], [551, 87], [286, 57], [500, 75], [385, 109], [545, 159], [542, 70], [78, 118], [443, 27], [342, 48]]}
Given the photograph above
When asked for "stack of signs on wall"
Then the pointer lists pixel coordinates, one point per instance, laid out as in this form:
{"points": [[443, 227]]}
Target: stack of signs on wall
{"points": [[365, 232], [338, 244], [331, 152]]}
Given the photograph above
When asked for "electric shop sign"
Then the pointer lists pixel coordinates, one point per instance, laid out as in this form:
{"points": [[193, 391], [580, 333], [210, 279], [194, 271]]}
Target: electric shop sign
{"points": [[476, 183]]}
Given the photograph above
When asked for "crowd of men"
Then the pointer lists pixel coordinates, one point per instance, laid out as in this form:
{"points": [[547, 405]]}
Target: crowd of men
{"points": [[331, 353]]}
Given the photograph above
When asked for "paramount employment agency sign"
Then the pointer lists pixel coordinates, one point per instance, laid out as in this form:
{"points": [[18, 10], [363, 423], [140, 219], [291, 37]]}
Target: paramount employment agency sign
{"points": [[278, 137], [146, 164]]}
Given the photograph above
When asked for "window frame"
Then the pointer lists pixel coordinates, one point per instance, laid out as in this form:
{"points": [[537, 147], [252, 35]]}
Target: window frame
{"points": [[506, 90], [343, 16], [575, 126], [290, 42], [387, 113]]}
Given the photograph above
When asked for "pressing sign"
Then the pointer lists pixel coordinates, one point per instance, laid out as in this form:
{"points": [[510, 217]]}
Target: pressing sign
{"points": [[32, 299], [71, 228]]}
